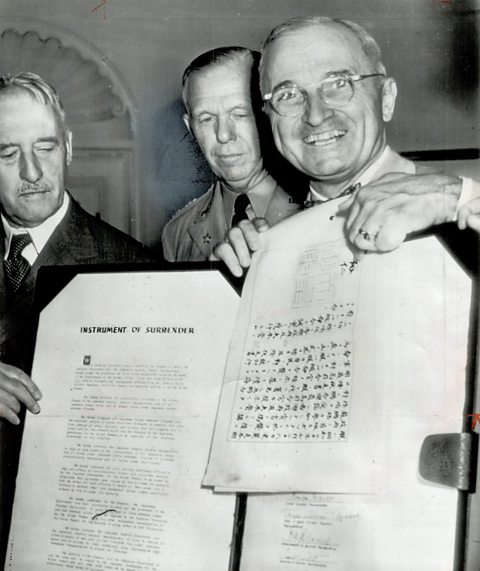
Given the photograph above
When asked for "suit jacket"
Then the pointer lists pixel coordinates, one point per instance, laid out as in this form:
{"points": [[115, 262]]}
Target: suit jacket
{"points": [[79, 239], [197, 228]]}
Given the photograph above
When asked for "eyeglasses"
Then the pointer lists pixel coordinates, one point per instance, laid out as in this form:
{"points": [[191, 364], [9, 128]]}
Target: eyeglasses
{"points": [[338, 90]]}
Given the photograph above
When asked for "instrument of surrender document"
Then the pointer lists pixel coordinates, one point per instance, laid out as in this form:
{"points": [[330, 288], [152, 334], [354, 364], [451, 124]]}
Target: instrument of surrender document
{"points": [[130, 366]]}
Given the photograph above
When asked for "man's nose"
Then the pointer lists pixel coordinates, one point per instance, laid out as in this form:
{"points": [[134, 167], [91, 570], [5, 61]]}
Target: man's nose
{"points": [[225, 130], [30, 169], [316, 110]]}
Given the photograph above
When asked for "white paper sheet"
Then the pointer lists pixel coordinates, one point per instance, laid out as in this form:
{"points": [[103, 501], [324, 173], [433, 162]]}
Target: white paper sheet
{"points": [[130, 366], [338, 371], [342, 532]]}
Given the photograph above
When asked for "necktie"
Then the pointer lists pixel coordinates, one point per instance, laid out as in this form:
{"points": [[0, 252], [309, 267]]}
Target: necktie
{"points": [[16, 266], [239, 210]]}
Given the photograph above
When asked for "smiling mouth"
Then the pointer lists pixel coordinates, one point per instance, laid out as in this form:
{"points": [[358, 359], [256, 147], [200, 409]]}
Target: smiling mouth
{"points": [[324, 138]]}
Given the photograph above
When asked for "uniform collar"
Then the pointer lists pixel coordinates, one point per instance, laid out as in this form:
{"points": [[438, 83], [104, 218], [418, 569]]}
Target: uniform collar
{"points": [[260, 196]]}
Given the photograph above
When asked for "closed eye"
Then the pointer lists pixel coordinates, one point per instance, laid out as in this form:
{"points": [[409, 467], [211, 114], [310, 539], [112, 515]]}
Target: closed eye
{"points": [[45, 147], [8, 153], [204, 119]]}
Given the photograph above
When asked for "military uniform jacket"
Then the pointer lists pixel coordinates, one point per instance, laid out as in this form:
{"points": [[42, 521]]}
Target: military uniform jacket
{"points": [[192, 234]]}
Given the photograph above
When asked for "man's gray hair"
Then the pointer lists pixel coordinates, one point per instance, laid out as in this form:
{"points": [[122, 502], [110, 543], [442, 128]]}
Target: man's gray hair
{"points": [[217, 56], [37, 88], [370, 47]]}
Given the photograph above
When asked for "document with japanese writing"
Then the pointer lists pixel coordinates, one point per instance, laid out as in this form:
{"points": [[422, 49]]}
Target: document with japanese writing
{"points": [[340, 366], [130, 366]]}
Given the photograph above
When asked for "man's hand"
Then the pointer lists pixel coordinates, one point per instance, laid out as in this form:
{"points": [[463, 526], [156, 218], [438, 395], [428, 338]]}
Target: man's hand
{"points": [[381, 214], [17, 388], [242, 240], [469, 215]]}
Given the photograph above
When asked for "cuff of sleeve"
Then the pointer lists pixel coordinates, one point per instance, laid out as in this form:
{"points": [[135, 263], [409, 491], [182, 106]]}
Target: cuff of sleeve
{"points": [[470, 191]]}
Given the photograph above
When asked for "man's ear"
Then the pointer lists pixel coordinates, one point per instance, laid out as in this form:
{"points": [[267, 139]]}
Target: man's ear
{"points": [[389, 95], [68, 146], [186, 120]]}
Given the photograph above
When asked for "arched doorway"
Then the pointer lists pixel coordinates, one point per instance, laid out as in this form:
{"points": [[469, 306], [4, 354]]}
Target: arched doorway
{"points": [[99, 109]]}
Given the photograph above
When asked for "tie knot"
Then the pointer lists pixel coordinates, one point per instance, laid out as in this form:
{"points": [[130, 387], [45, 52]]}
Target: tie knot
{"points": [[18, 244]]}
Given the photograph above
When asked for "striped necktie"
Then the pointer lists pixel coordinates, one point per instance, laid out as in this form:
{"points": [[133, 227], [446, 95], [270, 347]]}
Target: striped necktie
{"points": [[16, 266]]}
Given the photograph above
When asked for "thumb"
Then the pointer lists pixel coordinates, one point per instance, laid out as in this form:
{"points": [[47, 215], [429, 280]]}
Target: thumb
{"points": [[261, 225], [473, 222]]}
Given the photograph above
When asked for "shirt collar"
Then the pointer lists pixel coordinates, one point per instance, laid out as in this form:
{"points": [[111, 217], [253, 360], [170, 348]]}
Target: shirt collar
{"points": [[364, 178], [260, 196], [39, 234]]}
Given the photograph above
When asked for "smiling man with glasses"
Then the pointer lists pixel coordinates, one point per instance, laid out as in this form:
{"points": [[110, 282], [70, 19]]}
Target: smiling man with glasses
{"points": [[328, 98]]}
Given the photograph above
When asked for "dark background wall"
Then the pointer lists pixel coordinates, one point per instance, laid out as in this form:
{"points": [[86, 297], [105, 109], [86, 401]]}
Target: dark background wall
{"points": [[430, 47]]}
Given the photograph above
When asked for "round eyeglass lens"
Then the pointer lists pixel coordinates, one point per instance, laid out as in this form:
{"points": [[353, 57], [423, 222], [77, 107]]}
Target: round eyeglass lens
{"points": [[288, 100], [337, 90]]}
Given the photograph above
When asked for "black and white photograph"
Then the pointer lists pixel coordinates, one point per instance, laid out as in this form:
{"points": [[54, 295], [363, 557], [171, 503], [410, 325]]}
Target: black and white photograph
{"points": [[239, 294]]}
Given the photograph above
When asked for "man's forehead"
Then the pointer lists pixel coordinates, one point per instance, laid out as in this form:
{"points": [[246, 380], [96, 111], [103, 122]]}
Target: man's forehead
{"points": [[219, 81], [321, 49], [21, 110]]}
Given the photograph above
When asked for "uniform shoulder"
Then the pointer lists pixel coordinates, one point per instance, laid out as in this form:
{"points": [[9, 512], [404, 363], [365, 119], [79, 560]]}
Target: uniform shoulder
{"points": [[184, 217]]}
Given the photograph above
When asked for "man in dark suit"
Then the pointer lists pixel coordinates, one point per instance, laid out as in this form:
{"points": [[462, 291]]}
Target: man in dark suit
{"points": [[41, 225]]}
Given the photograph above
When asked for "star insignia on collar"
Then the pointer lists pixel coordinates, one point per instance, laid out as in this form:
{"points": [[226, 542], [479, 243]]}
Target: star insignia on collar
{"points": [[207, 239]]}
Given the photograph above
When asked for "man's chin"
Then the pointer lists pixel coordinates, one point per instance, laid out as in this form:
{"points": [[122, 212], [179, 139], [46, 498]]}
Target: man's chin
{"points": [[31, 217], [235, 175], [333, 170]]}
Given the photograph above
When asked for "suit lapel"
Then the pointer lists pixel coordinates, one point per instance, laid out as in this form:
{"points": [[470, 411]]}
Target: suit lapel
{"points": [[3, 302], [71, 242]]}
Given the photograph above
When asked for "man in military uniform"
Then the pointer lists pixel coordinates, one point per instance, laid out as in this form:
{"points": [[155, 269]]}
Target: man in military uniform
{"points": [[219, 92]]}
